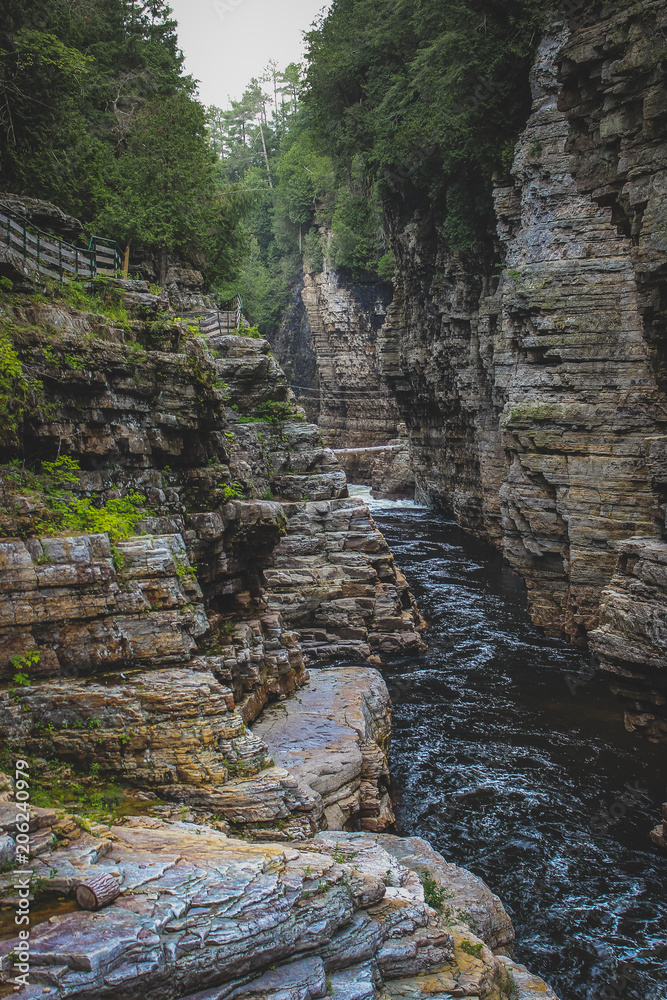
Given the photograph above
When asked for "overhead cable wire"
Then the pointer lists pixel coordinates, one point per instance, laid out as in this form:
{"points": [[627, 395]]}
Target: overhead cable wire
{"points": [[361, 393]]}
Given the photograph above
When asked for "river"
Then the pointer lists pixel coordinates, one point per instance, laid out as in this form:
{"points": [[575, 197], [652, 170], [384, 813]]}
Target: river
{"points": [[511, 758]]}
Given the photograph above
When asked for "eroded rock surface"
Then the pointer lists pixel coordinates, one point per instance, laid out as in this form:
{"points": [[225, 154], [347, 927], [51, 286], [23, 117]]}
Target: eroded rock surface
{"points": [[356, 407], [145, 659], [204, 917], [631, 640], [335, 580], [334, 737]]}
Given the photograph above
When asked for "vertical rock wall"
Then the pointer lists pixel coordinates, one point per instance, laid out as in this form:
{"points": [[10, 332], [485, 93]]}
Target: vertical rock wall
{"points": [[535, 401], [356, 406], [327, 345], [293, 347]]}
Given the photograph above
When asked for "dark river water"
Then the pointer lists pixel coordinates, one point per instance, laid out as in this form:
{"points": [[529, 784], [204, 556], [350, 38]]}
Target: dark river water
{"points": [[512, 760]]}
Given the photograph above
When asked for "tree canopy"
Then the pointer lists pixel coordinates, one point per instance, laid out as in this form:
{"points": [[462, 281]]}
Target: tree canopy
{"points": [[431, 95], [97, 116], [400, 99], [303, 208]]}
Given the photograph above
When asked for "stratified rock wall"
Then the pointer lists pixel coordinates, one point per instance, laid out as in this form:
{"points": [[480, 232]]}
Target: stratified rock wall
{"points": [[293, 347], [327, 346], [356, 406], [144, 659], [535, 402]]}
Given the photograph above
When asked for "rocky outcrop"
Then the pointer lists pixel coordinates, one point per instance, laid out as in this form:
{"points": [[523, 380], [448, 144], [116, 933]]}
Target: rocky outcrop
{"points": [[184, 288], [535, 403], [631, 640], [44, 215], [659, 834], [327, 344], [345, 712], [202, 916], [143, 660], [83, 605], [387, 468], [335, 580]]}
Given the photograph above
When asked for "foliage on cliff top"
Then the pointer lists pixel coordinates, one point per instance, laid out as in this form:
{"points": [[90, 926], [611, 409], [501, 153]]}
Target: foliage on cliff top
{"points": [[431, 95], [97, 116], [262, 138]]}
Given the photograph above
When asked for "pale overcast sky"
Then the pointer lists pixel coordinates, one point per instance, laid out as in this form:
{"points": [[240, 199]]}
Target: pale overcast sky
{"points": [[226, 42]]}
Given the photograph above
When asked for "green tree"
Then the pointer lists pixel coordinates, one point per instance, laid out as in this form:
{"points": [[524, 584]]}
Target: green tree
{"points": [[305, 176], [165, 191], [431, 95], [73, 79]]}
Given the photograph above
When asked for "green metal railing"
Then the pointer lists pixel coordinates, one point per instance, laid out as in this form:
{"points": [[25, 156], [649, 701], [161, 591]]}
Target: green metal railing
{"points": [[54, 257]]}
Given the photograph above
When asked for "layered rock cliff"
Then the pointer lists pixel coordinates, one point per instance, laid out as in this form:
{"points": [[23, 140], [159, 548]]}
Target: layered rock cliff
{"points": [[328, 345], [148, 656], [532, 380]]}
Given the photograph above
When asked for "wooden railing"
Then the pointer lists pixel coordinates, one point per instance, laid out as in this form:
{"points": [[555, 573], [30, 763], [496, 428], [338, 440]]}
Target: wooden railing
{"points": [[225, 320], [54, 257]]}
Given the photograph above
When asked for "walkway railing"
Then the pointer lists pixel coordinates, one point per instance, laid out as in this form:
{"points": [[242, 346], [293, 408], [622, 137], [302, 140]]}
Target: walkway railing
{"points": [[54, 257], [225, 320]]}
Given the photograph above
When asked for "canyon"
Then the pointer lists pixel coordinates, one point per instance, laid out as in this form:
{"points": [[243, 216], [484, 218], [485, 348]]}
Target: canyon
{"points": [[530, 377], [199, 697], [328, 345], [535, 400]]}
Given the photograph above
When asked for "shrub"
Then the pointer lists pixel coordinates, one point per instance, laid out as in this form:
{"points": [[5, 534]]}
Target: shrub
{"points": [[275, 412], [434, 893], [313, 250], [233, 492], [16, 388], [66, 512]]}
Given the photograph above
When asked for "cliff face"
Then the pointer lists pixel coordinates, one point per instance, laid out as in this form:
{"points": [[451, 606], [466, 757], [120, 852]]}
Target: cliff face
{"points": [[356, 406], [148, 656], [294, 349], [535, 402], [328, 346]]}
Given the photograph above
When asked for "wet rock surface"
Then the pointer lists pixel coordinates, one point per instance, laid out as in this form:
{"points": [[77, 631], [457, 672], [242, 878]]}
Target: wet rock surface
{"points": [[334, 737]]}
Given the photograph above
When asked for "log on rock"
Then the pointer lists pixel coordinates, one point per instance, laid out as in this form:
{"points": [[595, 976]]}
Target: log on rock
{"points": [[96, 892]]}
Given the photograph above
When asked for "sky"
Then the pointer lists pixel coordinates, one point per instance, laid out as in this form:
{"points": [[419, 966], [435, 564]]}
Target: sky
{"points": [[226, 42]]}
